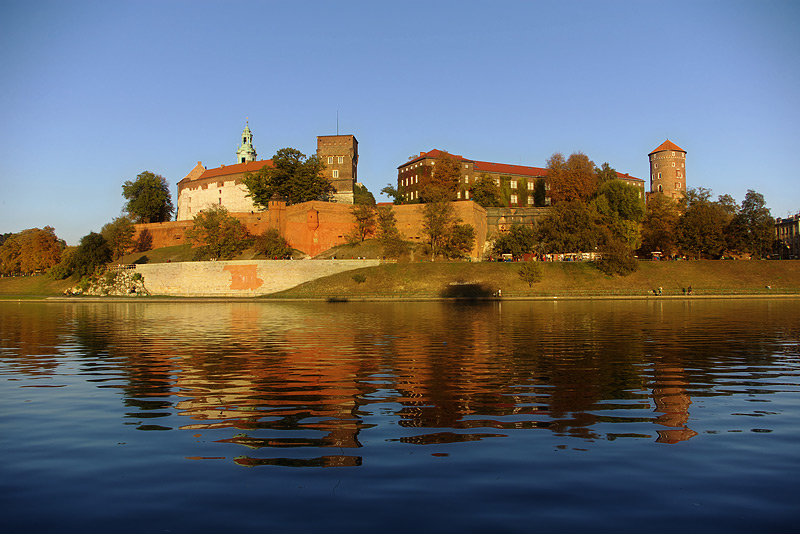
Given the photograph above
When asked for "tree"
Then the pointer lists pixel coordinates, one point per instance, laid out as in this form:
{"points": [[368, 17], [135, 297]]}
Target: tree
{"points": [[605, 174], [617, 258], [753, 225], [92, 253], [701, 229], [660, 225], [272, 244], [438, 219], [388, 234], [217, 234], [518, 240], [460, 241], [443, 183], [361, 195], [485, 191], [619, 200], [119, 236], [572, 226], [531, 272], [149, 199], [364, 215], [540, 193], [393, 193], [293, 176], [571, 179], [30, 251]]}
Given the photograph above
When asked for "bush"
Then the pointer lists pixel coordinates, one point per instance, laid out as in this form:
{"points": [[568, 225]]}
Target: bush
{"points": [[272, 244], [359, 278], [531, 272], [617, 259]]}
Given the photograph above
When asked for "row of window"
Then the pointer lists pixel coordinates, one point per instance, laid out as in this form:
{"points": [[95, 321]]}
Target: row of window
{"points": [[655, 156], [339, 159], [683, 165]]}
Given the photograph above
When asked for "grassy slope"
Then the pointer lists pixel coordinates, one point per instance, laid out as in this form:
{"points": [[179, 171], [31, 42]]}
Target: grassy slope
{"points": [[426, 279], [431, 279]]}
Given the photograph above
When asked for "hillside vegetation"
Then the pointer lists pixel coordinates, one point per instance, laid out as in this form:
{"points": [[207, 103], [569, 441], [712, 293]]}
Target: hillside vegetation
{"points": [[464, 279], [560, 278]]}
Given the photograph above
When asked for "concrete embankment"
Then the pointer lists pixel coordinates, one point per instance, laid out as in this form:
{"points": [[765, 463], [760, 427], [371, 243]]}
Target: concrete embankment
{"points": [[248, 278]]}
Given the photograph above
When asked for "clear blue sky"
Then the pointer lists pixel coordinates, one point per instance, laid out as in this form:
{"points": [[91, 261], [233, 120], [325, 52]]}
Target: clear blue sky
{"points": [[93, 93]]}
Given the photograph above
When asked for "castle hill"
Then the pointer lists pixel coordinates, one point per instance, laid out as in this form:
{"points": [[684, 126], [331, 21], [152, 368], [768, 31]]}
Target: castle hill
{"points": [[298, 226]]}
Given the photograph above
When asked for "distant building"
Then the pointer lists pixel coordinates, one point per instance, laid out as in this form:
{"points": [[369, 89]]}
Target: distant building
{"points": [[224, 186], [516, 182], [668, 170], [787, 236]]}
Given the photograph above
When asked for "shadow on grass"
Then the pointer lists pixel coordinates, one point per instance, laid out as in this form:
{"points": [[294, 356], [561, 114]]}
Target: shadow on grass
{"points": [[466, 291]]}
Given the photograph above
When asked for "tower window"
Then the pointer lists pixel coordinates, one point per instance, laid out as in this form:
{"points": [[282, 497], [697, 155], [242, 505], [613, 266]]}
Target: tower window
{"points": [[244, 140], [340, 159], [330, 159], [335, 173]]}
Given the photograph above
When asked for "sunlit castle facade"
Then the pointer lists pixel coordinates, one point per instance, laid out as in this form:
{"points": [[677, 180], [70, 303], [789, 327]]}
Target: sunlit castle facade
{"points": [[203, 188], [668, 170], [224, 186]]}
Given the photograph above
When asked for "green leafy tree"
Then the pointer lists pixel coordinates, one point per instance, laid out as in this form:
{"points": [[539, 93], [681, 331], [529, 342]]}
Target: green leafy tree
{"points": [[619, 200], [119, 236], [605, 173], [460, 242], [394, 193], [572, 226], [388, 234], [531, 272], [518, 240], [361, 195], [485, 191], [293, 176], [92, 253], [438, 219], [149, 199], [217, 235], [571, 179], [540, 193], [660, 225], [66, 266], [272, 244], [617, 258], [753, 227], [702, 227], [364, 227]]}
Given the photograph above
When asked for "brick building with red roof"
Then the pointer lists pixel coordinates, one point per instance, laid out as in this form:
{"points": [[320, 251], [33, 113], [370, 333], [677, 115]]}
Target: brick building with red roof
{"points": [[516, 182]]}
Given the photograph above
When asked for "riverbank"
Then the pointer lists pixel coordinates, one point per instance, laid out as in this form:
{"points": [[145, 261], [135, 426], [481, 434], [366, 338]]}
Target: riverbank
{"points": [[425, 281]]}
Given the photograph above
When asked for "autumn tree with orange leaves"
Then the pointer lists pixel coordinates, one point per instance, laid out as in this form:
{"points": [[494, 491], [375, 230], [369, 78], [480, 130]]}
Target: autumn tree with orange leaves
{"points": [[574, 178]]}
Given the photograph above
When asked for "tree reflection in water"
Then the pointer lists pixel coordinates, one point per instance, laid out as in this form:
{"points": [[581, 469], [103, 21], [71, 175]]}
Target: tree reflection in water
{"points": [[288, 382]]}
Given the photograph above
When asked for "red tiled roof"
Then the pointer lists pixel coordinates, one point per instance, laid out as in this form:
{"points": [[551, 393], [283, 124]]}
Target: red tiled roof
{"points": [[435, 153], [667, 145], [237, 168], [504, 168], [627, 176]]}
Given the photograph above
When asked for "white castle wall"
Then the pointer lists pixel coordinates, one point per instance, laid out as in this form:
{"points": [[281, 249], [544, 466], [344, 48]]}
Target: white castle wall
{"points": [[241, 278], [193, 199]]}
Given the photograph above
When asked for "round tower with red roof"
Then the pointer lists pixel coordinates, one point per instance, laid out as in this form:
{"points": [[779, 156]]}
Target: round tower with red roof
{"points": [[668, 170]]}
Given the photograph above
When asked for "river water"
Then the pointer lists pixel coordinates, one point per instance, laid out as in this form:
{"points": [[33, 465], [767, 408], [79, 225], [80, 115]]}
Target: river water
{"points": [[674, 415]]}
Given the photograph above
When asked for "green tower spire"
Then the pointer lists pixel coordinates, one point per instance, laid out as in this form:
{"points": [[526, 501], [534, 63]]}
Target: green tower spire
{"points": [[246, 151]]}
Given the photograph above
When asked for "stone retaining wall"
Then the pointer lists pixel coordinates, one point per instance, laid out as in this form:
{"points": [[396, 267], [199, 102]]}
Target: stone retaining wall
{"points": [[244, 278]]}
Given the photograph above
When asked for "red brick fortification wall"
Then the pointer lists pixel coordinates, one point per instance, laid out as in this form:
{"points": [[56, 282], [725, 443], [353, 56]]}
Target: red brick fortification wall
{"points": [[409, 222], [314, 227], [311, 227]]}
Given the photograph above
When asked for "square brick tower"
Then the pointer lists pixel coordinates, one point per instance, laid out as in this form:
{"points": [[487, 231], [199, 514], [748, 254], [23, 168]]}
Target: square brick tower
{"points": [[339, 153]]}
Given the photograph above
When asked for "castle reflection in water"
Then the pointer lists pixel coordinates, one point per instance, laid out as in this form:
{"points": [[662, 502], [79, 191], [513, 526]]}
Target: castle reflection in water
{"points": [[273, 377]]}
